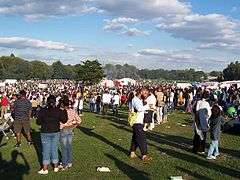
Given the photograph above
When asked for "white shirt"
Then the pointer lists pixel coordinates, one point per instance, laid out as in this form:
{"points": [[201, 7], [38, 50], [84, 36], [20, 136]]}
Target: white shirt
{"points": [[171, 97], [116, 100], [138, 105], [203, 104], [75, 103], [151, 101], [106, 98], [81, 104]]}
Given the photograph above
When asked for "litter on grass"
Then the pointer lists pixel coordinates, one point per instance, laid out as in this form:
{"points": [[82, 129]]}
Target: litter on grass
{"points": [[176, 178], [103, 169]]}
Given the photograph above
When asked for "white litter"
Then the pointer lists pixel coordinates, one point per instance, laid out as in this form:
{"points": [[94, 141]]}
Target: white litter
{"points": [[103, 169], [176, 178]]}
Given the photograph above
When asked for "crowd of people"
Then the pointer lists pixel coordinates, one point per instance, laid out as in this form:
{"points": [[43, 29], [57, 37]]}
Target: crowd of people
{"points": [[58, 109]]}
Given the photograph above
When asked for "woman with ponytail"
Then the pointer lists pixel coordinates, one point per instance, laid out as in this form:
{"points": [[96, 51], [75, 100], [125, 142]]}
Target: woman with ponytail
{"points": [[49, 118]]}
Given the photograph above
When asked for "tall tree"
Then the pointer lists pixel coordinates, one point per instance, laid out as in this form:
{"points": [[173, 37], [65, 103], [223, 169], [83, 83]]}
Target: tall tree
{"points": [[90, 72], [40, 70]]}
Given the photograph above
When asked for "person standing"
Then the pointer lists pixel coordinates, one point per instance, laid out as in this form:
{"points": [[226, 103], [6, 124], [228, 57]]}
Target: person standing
{"points": [[106, 100], [201, 127], [116, 102], [92, 102], [49, 119], [66, 133], [149, 114], [216, 122], [160, 105], [22, 110], [4, 105], [98, 103], [139, 136]]}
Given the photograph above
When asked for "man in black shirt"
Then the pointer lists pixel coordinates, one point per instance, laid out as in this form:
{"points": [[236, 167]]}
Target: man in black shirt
{"points": [[22, 113]]}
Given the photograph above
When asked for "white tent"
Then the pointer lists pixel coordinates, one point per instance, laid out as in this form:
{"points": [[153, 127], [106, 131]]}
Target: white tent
{"points": [[127, 81], [107, 83], [10, 81]]}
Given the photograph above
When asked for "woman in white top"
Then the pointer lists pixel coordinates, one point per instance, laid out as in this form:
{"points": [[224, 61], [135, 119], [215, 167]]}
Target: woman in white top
{"points": [[139, 136]]}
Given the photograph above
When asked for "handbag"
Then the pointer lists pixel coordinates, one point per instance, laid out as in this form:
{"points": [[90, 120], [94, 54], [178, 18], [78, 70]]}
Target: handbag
{"points": [[132, 117]]}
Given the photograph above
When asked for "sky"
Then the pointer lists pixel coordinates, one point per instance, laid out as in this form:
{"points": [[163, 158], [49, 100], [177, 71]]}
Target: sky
{"points": [[168, 34]]}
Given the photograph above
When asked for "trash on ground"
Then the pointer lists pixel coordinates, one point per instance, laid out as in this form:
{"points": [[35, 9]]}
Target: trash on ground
{"points": [[103, 169], [176, 178]]}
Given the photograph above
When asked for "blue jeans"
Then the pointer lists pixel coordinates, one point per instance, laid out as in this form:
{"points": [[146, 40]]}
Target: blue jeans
{"points": [[213, 149], [66, 146], [50, 143], [92, 107]]}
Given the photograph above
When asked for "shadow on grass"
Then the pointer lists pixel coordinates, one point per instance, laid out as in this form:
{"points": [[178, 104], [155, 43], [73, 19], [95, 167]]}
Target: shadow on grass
{"points": [[36, 137], [128, 170], [204, 163], [171, 140], [193, 174], [90, 133], [13, 169]]}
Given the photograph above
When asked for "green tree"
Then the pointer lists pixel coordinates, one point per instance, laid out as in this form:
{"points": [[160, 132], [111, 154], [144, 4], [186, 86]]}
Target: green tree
{"points": [[232, 72], [40, 70], [90, 72]]}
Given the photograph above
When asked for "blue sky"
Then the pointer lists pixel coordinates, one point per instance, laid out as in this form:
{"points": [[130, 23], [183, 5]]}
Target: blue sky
{"points": [[169, 34]]}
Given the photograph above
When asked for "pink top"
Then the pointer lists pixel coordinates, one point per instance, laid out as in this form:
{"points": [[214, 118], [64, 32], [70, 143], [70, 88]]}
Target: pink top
{"points": [[73, 120]]}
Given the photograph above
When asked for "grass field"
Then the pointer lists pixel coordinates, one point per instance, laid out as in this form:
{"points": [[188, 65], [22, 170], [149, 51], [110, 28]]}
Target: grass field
{"points": [[105, 142]]}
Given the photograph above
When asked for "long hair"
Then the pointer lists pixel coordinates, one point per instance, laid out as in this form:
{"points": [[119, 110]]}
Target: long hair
{"points": [[51, 101], [216, 111]]}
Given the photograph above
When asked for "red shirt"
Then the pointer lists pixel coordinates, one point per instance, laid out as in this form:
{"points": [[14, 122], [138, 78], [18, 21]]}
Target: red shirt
{"points": [[4, 101]]}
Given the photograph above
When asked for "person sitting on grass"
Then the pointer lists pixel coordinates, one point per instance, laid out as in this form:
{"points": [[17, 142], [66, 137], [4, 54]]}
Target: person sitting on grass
{"points": [[216, 121], [49, 118]]}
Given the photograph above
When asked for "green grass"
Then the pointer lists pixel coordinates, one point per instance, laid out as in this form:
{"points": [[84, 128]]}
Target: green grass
{"points": [[105, 142]]}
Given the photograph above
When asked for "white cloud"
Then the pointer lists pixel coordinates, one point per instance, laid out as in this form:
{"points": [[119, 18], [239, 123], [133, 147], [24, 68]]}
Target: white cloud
{"points": [[121, 24], [118, 23], [135, 32], [38, 9], [170, 55], [144, 9], [24, 43], [212, 30]]}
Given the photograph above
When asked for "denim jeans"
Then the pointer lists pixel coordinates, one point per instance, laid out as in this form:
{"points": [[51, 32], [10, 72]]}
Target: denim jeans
{"points": [[213, 149], [66, 146], [92, 107], [50, 143], [98, 108]]}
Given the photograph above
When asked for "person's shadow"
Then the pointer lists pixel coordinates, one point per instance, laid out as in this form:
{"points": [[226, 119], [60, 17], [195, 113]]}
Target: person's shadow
{"points": [[128, 170], [13, 169]]}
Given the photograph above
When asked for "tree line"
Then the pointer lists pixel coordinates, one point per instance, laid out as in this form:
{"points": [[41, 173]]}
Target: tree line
{"points": [[92, 72], [11, 67], [121, 71]]}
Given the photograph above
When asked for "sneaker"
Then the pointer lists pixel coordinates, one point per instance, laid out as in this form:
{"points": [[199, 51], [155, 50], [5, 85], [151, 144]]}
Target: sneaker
{"points": [[145, 129], [211, 157], [60, 166], [147, 158], [69, 165], [55, 169], [17, 145], [202, 152], [218, 154], [133, 155], [43, 172]]}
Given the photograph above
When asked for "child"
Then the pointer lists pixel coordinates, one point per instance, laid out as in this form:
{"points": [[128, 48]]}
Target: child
{"points": [[216, 121]]}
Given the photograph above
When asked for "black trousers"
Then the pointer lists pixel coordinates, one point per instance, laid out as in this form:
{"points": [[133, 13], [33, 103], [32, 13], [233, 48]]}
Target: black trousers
{"points": [[139, 139], [198, 144]]}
